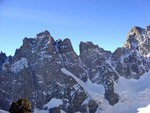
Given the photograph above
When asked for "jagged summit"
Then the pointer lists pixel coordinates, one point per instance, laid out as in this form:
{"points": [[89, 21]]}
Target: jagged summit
{"points": [[2, 54], [87, 45], [43, 34], [64, 46], [43, 42], [148, 28], [136, 28], [139, 39], [2, 59], [134, 38]]}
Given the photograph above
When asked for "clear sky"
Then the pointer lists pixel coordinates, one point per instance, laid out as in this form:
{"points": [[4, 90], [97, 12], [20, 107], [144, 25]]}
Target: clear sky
{"points": [[104, 22]]}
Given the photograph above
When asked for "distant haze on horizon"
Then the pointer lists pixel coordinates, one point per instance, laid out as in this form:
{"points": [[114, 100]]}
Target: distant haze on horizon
{"points": [[104, 22]]}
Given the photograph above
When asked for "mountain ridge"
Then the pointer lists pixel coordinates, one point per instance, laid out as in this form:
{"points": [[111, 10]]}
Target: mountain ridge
{"points": [[39, 67]]}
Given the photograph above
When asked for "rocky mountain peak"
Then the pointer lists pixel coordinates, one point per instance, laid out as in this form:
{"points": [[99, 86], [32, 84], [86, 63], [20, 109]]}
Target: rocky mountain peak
{"points": [[148, 31], [137, 29], [135, 36], [43, 34], [84, 46], [148, 28], [63, 46], [42, 42], [2, 59], [139, 39], [2, 55]]}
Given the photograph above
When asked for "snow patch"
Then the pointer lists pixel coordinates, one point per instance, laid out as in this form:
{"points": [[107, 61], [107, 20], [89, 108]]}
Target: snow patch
{"points": [[2, 111], [44, 54], [40, 111], [19, 65], [61, 111], [148, 55], [144, 109], [54, 102]]}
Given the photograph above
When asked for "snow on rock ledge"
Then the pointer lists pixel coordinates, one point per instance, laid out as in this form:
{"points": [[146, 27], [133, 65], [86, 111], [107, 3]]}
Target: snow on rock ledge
{"points": [[19, 65], [53, 103]]}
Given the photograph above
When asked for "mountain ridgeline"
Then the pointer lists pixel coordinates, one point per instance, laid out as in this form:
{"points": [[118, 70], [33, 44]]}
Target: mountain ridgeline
{"points": [[44, 69]]}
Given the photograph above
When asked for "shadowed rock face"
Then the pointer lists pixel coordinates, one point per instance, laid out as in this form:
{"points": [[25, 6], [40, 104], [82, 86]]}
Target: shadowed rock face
{"points": [[34, 71], [2, 59]]}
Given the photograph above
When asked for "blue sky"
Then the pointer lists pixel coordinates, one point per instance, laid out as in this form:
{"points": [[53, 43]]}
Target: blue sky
{"points": [[104, 22]]}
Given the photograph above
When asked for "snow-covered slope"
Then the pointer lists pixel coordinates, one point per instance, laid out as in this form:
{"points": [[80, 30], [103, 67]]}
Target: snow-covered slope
{"points": [[144, 109], [133, 95]]}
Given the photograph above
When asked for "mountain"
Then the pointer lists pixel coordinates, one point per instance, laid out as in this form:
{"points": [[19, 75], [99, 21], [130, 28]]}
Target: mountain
{"points": [[55, 79]]}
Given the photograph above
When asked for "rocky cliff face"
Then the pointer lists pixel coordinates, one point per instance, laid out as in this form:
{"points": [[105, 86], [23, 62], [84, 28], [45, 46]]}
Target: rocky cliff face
{"points": [[139, 39], [44, 69]]}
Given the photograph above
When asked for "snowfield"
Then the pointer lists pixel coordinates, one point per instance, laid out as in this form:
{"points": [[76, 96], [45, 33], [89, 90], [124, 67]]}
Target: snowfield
{"points": [[133, 94]]}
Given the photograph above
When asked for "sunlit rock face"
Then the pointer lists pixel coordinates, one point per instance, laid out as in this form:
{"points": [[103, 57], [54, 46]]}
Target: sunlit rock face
{"points": [[44, 69], [139, 39]]}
